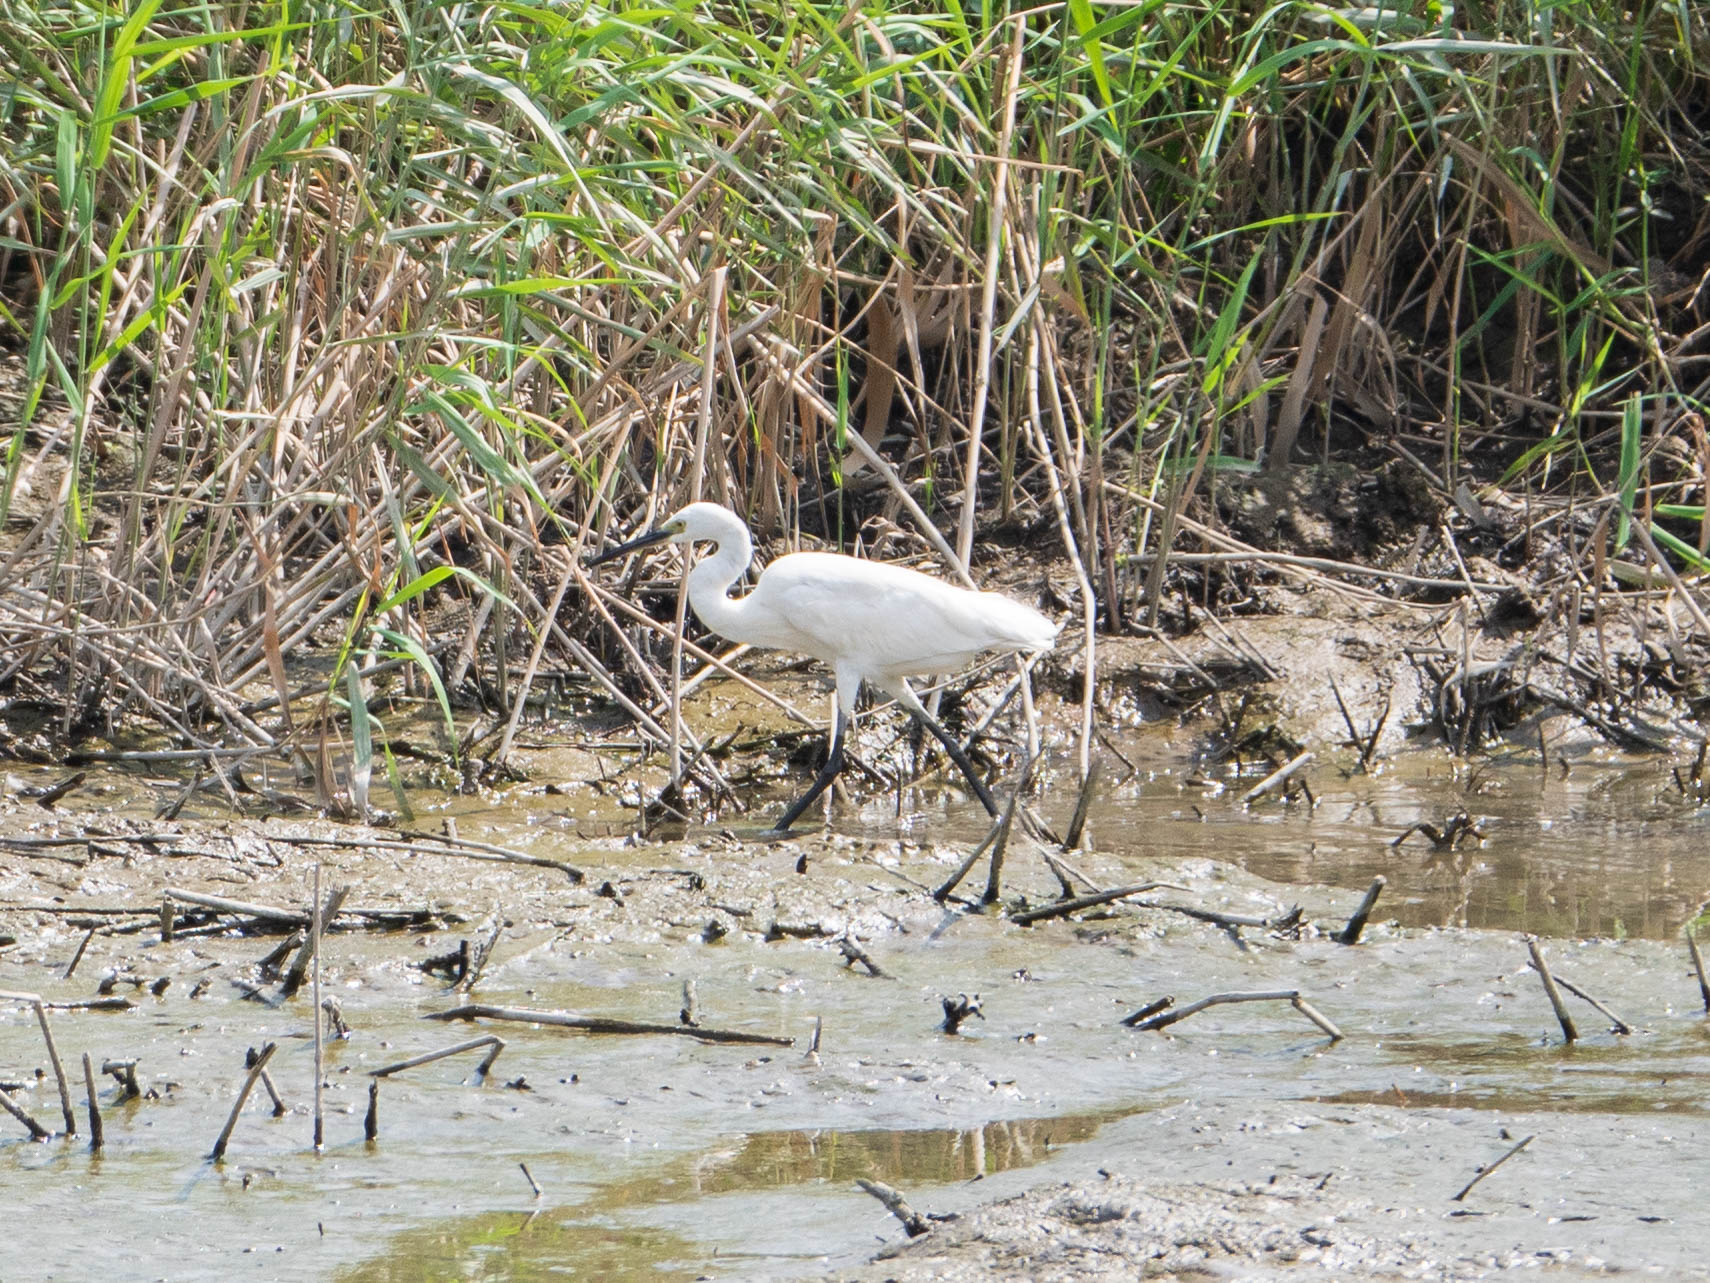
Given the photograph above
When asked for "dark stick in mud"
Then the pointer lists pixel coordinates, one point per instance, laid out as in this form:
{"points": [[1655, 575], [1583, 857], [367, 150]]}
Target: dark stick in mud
{"points": [[124, 1072], [1067, 874], [532, 1183], [95, 1140], [474, 1044], [371, 1120], [1698, 966], [71, 967], [1619, 1026], [261, 1059], [319, 916], [1555, 994], [943, 890], [1276, 777], [114, 1003], [896, 1205], [1350, 934], [1486, 1171], [1148, 1011], [478, 960], [853, 953], [268, 965], [1078, 821], [1000, 843], [959, 1009], [314, 948], [12, 1107], [1291, 996], [1225, 920], [1062, 908], [690, 1011], [603, 1025], [280, 1108]]}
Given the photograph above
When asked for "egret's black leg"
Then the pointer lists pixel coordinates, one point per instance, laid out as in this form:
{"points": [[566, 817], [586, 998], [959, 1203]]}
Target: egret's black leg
{"points": [[822, 781], [957, 756]]}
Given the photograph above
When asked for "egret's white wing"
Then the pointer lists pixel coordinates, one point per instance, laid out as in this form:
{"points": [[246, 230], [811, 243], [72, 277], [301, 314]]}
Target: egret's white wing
{"points": [[885, 620]]}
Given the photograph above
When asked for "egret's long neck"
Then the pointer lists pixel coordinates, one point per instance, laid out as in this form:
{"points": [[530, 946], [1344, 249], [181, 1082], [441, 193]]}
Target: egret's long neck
{"points": [[711, 578]]}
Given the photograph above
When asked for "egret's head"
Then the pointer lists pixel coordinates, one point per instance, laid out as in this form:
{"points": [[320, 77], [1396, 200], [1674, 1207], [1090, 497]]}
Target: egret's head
{"points": [[698, 521]]}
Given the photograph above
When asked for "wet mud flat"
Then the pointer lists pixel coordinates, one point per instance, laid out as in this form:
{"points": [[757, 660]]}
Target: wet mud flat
{"points": [[1065, 1142]]}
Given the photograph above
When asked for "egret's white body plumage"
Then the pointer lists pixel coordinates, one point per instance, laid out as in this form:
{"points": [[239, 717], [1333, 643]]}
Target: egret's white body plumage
{"points": [[867, 620]]}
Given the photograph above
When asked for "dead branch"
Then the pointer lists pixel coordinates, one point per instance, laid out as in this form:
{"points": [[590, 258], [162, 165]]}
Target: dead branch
{"points": [[602, 1024], [496, 1043], [1291, 996], [896, 1205], [1061, 908]]}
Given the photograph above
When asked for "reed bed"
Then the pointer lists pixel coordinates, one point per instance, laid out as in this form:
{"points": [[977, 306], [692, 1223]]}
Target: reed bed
{"points": [[337, 332]]}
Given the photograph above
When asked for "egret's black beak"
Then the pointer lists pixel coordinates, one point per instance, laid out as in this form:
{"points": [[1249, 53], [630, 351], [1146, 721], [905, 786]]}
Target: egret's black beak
{"points": [[647, 540]]}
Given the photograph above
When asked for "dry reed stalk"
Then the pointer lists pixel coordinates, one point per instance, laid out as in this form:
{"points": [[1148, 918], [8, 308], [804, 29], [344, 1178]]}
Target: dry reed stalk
{"points": [[314, 947], [995, 227]]}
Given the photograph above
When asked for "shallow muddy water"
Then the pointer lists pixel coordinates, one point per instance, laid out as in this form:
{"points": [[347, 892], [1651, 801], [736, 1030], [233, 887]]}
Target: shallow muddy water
{"points": [[663, 1157]]}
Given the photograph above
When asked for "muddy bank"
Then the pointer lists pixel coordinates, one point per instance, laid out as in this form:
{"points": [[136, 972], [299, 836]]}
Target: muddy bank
{"points": [[666, 1156], [1301, 1190]]}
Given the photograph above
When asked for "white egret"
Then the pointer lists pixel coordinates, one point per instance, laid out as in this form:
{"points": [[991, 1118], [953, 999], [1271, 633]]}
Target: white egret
{"points": [[869, 621]]}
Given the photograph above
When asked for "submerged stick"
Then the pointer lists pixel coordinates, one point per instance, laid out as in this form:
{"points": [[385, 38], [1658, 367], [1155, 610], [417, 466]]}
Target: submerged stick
{"points": [[896, 1205], [1275, 778], [1698, 966], [95, 1140], [603, 1024], [1350, 934], [371, 1120], [1555, 995], [490, 1040], [266, 1054], [1486, 1171], [1062, 908]]}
